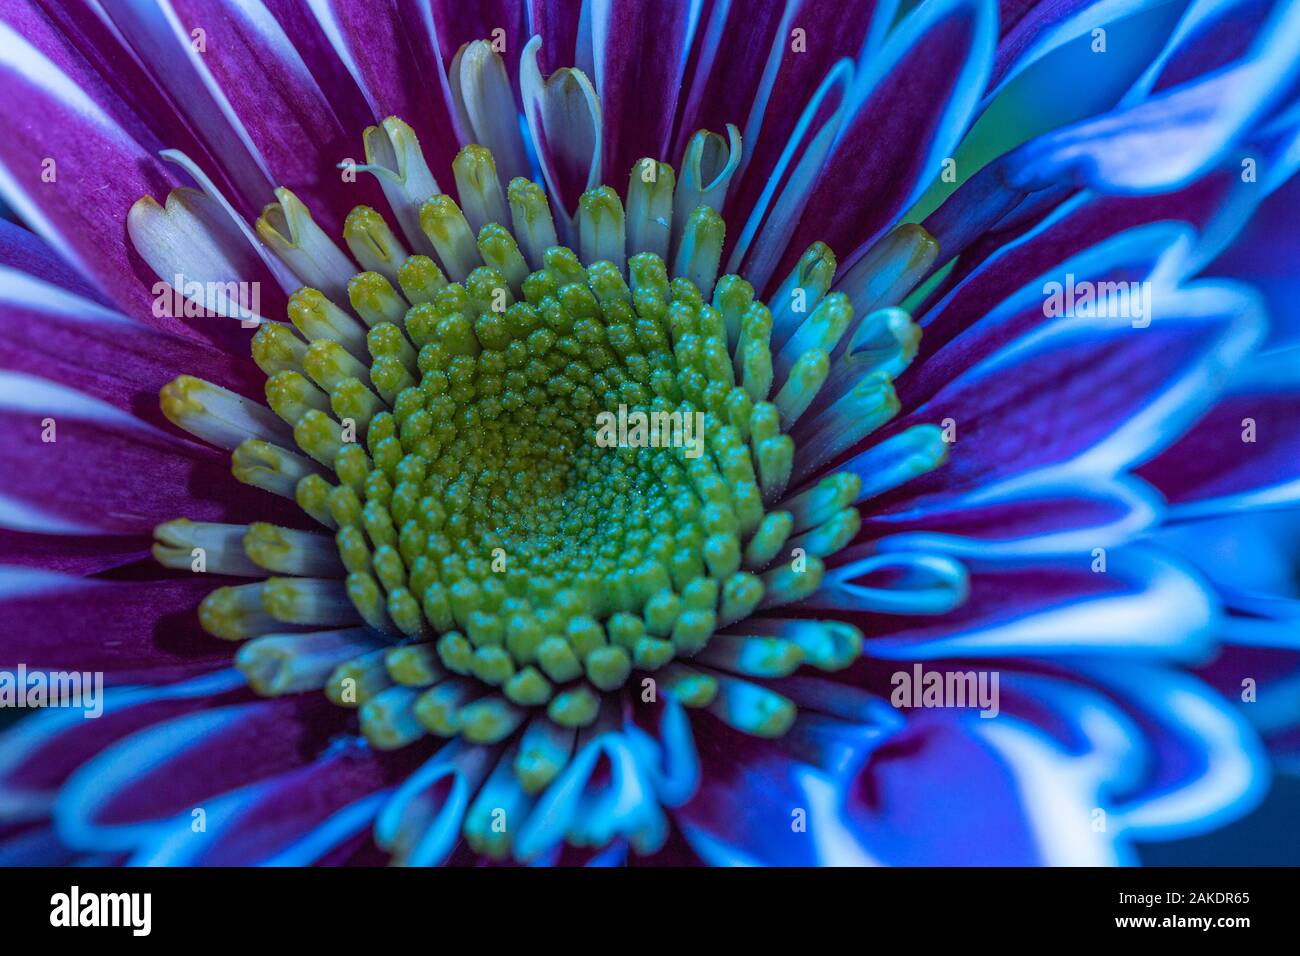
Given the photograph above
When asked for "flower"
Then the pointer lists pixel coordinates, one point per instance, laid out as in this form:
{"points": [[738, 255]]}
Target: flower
{"points": [[485, 611]]}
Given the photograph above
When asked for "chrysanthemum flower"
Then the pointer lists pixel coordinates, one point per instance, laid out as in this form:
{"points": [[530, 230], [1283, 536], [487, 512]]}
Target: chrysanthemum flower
{"points": [[631, 398]]}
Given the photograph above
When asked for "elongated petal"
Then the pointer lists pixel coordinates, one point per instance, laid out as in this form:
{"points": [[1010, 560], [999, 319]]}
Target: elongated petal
{"points": [[1076, 517], [1141, 604], [61, 337], [137, 788], [907, 117], [369, 40], [39, 753], [131, 630], [640, 49], [1166, 141], [1058, 418], [120, 475], [1242, 454], [59, 130]]}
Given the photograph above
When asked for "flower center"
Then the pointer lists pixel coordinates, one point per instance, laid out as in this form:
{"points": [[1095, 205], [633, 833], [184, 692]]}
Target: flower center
{"points": [[562, 474]]}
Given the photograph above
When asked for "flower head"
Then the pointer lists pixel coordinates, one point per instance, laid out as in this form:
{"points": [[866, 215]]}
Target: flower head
{"points": [[634, 440]]}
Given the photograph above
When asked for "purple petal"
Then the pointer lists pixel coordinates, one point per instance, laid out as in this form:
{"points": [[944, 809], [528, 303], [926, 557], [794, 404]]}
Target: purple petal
{"points": [[941, 794], [1086, 396], [993, 305], [773, 786], [390, 51], [131, 791], [60, 337], [40, 752], [910, 117], [71, 554], [1034, 520], [116, 475], [640, 53], [1166, 141], [270, 96], [130, 630], [1140, 604], [1211, 35], [82, 213], [833, 33], [297, 818], [1030, 30], [726, 65], [565, 29], [1203, 765], [26, 252], [1243, 453], [457, 23]]}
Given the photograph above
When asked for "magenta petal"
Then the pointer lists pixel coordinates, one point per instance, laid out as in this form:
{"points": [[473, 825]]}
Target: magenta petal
{"points": [[456, 23], [134, 788], [565, 33], [640, 53], [62, 338], [393, 57], [293, 131], [1087, 398], [1243, 452], [115, 475], [143, 631], [911, 116], [41, 752], [82, 214], [71, 554]]}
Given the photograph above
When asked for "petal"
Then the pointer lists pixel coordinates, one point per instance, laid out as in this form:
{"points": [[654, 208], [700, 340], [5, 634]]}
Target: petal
{"points": [[1139, 604], [565, 29], [640, 49], [1031, 30], [1210, 35], [1168, 140], [252, 97], [130, 630], [55, 334], [40, 752], [457, 23], [1044, 519], [71, 554], [792, 812], [25, 252], [1204, 765], [993, 305], [954, 790], [295, 818], [140, 786], [565, 120], [1087, 396], [369, 40], [1243, 453], [911, 115], [117, 474], [835, 35], [54, 120]]}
